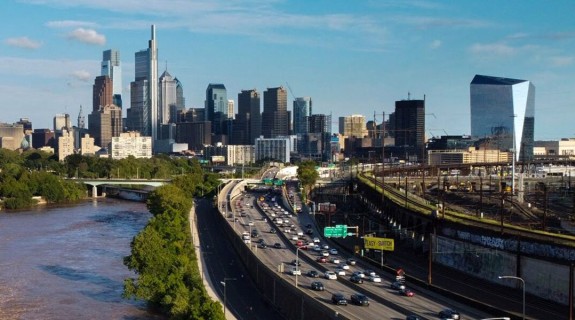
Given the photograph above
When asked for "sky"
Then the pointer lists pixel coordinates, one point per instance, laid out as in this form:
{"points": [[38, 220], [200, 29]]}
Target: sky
{"points": [[350, 57]]}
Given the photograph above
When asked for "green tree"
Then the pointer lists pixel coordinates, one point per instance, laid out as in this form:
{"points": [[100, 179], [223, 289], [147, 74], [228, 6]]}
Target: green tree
{"points": [[307, 175]]}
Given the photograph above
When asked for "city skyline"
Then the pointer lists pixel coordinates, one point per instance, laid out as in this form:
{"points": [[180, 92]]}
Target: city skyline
{"points": [[349, 59]]}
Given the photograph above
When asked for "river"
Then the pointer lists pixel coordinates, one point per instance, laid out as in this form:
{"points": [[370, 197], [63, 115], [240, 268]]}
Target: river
{"points": [[66, 262]]}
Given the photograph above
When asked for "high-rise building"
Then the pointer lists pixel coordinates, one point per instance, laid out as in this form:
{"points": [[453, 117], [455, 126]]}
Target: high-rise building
{"points": [[111, 67], [353, 126], [131, 144], [216, 105], [315, 144], [247, 126], [102, 92], [105, 124], [231, 107], [410, 127], [61, 121], [180, 101], [275, 117], [168, 98], [302, 108], [143, 113], [503, 109], [65, 144]]}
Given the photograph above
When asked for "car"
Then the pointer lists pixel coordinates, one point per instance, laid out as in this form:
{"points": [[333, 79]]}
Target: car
{"points": [[448, 314], [255, 234], [325, 253], [344, 266], [339, 299], [308, 225], [316, 240], [333, 251], [413, 317], [261, 240], [330, 275], [321, 259], [406, 292], [351, 261], [325, 246], [295, 238], [340, 271], [356, 279], [374, 278], [272, 230], [277, 245], [360, 299], [309, 232], [334, 260], [359, 274], [262, 245], [250, 223], [397, 285], [316, 248], [312, 274], [296, 272], [317, 286], [295, 262], [369, 272]]}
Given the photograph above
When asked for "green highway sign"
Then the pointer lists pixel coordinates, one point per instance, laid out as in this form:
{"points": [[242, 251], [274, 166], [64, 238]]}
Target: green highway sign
{"points": [[339, 231]]}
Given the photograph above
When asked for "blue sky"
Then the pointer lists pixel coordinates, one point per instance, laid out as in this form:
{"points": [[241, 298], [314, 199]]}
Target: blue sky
{"points": [[351, 57]]}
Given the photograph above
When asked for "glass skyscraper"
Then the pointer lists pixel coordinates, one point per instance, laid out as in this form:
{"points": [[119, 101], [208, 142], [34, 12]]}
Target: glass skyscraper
{"points": [[302, 109], [111, 67], [503, 110]]}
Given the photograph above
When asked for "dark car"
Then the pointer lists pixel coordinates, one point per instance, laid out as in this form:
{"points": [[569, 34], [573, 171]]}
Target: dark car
{"points": [[277, 245], [449, 314], [339, 299], [356, 279], [360, 299], [413, 317], [255, 234], [313, 274], [317, 286], [272, 230], [309, 231], [397, 285], [295, 262], [262, 245]]}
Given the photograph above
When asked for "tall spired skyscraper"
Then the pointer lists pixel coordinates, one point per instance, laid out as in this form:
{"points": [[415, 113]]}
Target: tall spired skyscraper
{"points": [[167, 97], [112, 68], [143, 115], [503, 110]]}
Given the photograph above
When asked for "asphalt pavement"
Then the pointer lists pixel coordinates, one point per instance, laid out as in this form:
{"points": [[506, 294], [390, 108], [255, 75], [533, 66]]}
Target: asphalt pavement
{"points": [[221, 262]]}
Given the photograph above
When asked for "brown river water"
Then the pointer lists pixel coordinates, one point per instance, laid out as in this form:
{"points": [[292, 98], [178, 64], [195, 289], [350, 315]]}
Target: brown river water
{"points": [[66, 262]]}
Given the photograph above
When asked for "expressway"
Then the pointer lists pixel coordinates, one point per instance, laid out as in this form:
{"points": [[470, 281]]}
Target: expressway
{"points": [[252, 213]]}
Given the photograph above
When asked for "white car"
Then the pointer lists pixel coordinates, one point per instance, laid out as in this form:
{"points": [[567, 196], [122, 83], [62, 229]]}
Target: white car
{"points": [[316, 248], [296, 272], [316, 240], [330, 275], [374, 278], [340, 271], [333, 251], [325, 246], [325, 253], [334, 260], [344, 266], [295, 238]]}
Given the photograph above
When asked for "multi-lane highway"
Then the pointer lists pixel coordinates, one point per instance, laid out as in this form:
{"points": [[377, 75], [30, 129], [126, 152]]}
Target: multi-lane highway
{"points": [[252, 213]]}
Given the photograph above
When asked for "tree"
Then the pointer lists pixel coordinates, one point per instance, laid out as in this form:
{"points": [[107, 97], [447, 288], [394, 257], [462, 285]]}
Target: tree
{"points": [[307, 175]]}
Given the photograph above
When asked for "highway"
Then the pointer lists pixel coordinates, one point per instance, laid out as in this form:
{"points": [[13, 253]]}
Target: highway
{"points": [[255, 215]]}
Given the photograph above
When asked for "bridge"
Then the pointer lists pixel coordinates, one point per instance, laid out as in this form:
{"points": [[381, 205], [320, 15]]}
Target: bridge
{"points": [[98, 182]]}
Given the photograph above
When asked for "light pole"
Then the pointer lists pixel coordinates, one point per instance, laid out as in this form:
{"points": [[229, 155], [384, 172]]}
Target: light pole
{"points": [[224, 284], [297, 263], [522, 285]]}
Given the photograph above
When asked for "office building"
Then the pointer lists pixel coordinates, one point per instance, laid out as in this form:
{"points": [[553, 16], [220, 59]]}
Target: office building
{"points": [[195, 134], [302, 109], [275, 117], [168, 99], [87, 146], [353, 126], [43, 138], [247, 126], [143, 115], [273, 149], [503, 109], [216, 105], [112, 68], [65, 144], [410, 128], [105, 124], [231, 106], [192, 115], [61, 121]]}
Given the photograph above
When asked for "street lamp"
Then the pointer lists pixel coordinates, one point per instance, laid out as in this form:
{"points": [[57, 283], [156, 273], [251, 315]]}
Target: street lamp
{"points": [[522, 285], [224, 284]]}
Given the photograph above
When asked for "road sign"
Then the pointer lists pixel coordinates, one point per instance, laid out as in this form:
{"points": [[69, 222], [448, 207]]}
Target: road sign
{"points": [[339, 231], [387, 244]]}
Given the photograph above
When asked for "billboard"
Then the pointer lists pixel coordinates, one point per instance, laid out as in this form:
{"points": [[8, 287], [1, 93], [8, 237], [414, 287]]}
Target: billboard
{"points": [[386, 244], [218, 159]]}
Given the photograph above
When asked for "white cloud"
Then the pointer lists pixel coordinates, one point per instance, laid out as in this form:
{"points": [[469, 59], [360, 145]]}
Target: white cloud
{"points": [[23, 42], [81, 75], [562, 61], [435, 44], [70, 24], [89, 36], [497, 49]]}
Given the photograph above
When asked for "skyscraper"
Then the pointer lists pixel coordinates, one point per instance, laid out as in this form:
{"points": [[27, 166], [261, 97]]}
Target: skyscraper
{"points": [[216, 105], [112, 68], [143, 112], [167, 98], [410, 127], [102, 92], [275, 117], [353, 126], [248, 123], [302, 108], [504, 110]]}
